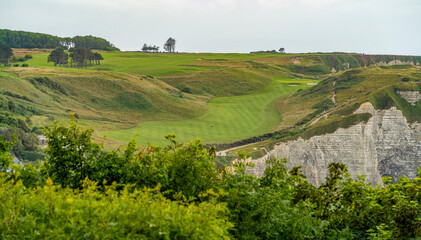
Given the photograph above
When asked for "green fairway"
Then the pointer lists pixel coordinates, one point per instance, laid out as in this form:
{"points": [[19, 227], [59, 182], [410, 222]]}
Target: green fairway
{"points": [[227, 119], [154, 64]]}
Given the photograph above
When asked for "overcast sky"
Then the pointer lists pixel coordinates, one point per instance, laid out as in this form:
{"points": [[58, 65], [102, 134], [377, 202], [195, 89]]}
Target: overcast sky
{"points": [[363, 26]]}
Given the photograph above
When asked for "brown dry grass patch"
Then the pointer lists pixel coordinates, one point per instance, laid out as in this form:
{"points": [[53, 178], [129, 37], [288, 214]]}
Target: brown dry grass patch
{"points": [[282, 60]]}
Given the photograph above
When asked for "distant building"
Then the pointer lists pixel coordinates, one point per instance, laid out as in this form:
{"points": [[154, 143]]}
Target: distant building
{"points": [[42, 141]]}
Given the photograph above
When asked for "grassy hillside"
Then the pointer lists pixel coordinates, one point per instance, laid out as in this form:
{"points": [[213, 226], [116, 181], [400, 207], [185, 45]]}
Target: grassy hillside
{"points": [[378, 85], [107, 97], [221, 98], [160, 64], [227, 118]]}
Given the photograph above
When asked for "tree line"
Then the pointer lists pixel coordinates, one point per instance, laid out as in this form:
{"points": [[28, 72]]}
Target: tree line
{"points": [[169, 46], [74, 57], [149, 48], [177, 192], [79, 57], [21, 39]]}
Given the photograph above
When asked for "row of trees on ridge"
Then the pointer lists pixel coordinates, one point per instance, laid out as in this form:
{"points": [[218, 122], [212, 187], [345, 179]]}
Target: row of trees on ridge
{"points": [[169, 46], [79, 57], [149, 48]]}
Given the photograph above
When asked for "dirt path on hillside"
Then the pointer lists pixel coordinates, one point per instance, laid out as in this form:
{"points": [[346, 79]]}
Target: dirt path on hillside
{"points": [[330, 110], [334, 93], [224, 152]]}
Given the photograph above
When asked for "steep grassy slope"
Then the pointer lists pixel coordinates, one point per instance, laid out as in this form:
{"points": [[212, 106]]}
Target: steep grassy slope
{"points": [[120, 99], [379, 85]]}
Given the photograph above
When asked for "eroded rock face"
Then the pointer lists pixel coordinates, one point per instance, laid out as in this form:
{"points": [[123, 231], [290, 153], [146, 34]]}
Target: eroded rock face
{"points": [[411, 96], [384, 146]]}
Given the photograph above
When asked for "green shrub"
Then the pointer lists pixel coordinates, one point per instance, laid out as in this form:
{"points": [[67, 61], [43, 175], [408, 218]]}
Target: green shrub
{"points": [[190, 199], [311, 70], [45, 81], [73, 156], [17, 96], [357, 210], [396, 67], [262, 208], [5, 158], [51, 212], [324, 104], [186, 90], [32, 156]]}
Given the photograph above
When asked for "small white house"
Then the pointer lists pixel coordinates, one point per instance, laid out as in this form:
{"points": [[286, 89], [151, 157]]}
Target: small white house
{"points": [[42, 141]]}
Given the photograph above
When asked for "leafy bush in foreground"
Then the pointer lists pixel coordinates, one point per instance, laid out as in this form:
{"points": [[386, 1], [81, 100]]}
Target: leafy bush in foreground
{"points": [[52, 212], [177, 193], [262, 208], [180, 170]]}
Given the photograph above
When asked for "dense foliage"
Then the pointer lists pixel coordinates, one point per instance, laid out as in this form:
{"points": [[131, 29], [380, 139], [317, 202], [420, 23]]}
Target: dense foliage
{"points": [[51, 212], [79, 57], [150, 48], [19, 128], [21, 39], [5, 54], [176, 192], [169, 45]]}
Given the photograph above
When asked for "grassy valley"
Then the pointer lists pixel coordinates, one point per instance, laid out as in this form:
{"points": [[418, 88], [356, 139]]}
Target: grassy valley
{"points": [[221, 98], [227, 118]]}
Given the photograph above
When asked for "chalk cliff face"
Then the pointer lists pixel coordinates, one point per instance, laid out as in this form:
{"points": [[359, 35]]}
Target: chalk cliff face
{"points": [[384, 146], [411, 96], [395, 62]]}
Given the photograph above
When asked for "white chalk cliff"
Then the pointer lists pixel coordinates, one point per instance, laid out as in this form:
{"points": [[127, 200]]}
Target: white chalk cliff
{"points": [[386, 145]]}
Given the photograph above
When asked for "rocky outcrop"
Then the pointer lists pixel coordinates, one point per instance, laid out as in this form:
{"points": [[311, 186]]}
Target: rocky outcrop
{"points": [[394, 62], [411, 96], [386, 145]]}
